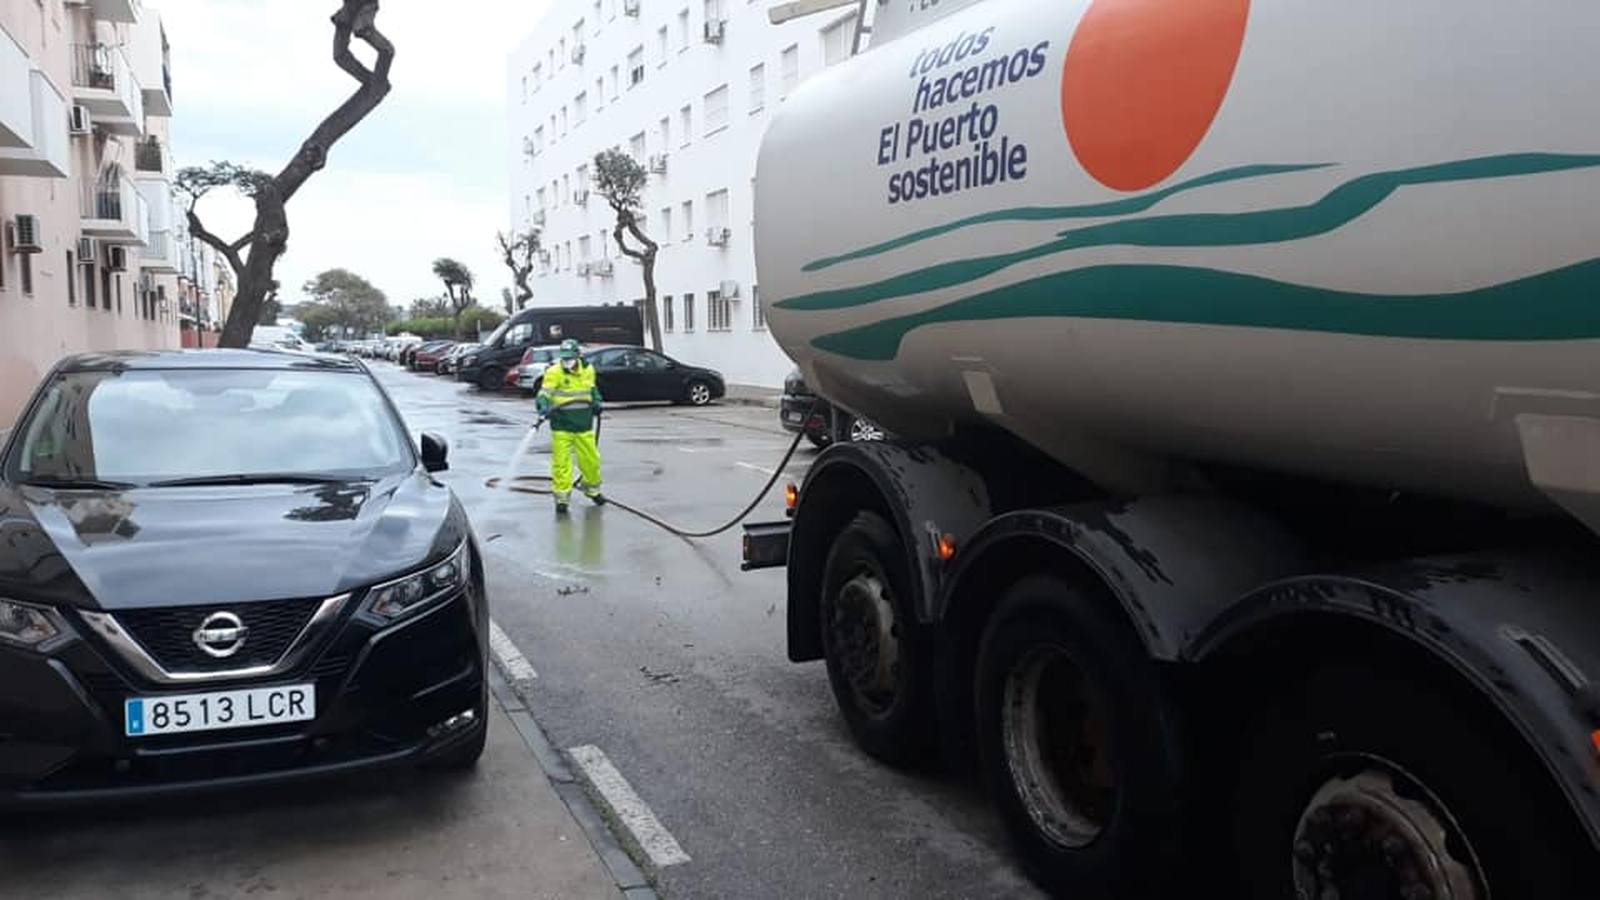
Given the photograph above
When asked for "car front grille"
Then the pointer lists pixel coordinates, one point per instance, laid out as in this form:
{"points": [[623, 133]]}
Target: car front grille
{"points": [[167, 633]]}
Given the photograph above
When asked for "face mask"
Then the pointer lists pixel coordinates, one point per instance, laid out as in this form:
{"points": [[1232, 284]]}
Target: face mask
{"points": [[571, 365]]}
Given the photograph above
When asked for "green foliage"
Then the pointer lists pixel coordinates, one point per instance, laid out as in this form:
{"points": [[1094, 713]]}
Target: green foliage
{"points": [[341, 299], [620, 179], [270, 310], [474, 320], [430, 307], [197, 180]]}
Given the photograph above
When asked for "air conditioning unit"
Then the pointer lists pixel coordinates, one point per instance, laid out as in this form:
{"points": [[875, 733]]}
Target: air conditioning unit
{"points": [[86, 248], [715, 30], [538, 217], [25, 237], [79, 121], [528, 148], [603, 268], [730, 289], [582, 269], [635, 75], [117, 258], [630, 8], [658, 163], [718, 237], [581, 196], [577, 53]]}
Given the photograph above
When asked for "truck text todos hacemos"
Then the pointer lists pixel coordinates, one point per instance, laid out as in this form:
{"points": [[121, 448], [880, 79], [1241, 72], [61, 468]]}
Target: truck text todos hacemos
{"points": [[1243, 363]]}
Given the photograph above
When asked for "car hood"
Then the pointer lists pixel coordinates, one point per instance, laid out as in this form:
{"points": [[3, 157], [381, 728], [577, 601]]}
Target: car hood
{"points": [[207, 545]]}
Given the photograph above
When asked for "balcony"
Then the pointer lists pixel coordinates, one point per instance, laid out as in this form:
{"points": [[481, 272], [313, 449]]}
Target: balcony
{"points": [[117, 10], [150, 156], [42, 147], [148, 57], [160, 254], [103, 81], [116, 213]]}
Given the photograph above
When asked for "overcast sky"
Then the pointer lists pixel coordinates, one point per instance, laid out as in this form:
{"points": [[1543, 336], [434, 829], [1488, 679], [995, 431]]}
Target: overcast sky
{"points": [[423, 176]]}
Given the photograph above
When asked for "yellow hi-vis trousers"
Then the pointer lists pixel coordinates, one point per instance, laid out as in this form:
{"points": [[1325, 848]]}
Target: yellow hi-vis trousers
{"points": [[564, 445]]}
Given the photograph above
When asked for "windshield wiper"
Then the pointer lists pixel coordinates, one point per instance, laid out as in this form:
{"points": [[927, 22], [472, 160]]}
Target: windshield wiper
{"points": [[254, 478], [79, 484]]}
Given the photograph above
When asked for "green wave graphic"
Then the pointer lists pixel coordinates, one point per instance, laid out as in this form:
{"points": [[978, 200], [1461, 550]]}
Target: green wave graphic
{"points": [[1563, 304], [1339, 207], [1121, 207]]}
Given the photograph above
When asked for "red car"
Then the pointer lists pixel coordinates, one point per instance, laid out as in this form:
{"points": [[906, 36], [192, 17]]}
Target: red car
{"points": [[429, 356]]}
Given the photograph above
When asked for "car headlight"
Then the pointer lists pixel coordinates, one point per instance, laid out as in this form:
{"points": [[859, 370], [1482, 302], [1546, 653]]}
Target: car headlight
{"points": [[27, 626], [397, 599], [468, 360]]}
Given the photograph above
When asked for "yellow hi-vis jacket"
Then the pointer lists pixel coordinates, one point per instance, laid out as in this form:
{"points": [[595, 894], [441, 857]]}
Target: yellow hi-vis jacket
{"points": [[570, 398]]}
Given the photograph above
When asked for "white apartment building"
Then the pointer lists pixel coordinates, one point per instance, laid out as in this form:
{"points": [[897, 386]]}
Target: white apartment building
{"points": [[88, 251], [687, 87]]}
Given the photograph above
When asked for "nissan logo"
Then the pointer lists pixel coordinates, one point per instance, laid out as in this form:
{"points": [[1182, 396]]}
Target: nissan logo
{"points": [[220, 635]]}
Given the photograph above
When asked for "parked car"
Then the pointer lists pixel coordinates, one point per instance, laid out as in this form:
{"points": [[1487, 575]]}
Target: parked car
{"points": [[428, 356], [530, 369], [638, 373], [502, 350], [448, 365], [229, 567], [803, 410]]}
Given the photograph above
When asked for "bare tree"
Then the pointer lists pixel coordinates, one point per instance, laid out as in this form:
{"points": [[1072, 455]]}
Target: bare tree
{"points": [[620, 179], [268, 237], [519, 250]]}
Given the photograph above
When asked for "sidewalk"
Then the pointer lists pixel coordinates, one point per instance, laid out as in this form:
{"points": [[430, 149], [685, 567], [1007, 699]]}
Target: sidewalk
{"points": [[752, 395]]}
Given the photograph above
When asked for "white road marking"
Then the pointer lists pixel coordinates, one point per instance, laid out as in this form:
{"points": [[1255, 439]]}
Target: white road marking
{"points": [[753, 467], [652, 836], [687, 450], [515, 665]]}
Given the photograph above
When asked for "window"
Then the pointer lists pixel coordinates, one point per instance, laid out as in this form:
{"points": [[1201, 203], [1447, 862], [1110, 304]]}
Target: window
{"points": [[552, 60], [758, 87], [605, 244], [26, 263], [718, 312], [683, 29], [72, 282], [713, 11], [758, 316], [583, 249], [538, 77], [566, 187], [117, 279], [599, 92], [614, 87], [661, 46], [583, 178], [636, 146], [666, 223], [688, 313], [105, 286], [538, 140], [580, 107], [635, 66], [561, 51], [596, 19], [611, 9], [838, 41], [524, 89], [717, 210], [568, 246], [788, 70], [553, 132], [688, 220], [666, 311], [666, 134], [88, 285], [686, 123], [716, 110], [563, 121]]}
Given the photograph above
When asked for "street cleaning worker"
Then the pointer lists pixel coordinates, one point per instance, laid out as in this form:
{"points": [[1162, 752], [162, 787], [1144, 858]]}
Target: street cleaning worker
{"points": [[569, 399]]}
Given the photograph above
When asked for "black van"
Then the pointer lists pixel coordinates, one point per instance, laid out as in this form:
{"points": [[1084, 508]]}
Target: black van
{"points": [[487, 366]]}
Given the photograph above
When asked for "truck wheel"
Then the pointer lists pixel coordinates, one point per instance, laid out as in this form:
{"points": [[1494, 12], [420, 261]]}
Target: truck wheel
{"points": [[876, 661], [1076, 743], [490, 378], [819, 439], [1361, 785]]}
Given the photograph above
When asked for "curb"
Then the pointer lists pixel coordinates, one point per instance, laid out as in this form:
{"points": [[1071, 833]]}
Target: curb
{"points": [[768, 402], [627, 875]]}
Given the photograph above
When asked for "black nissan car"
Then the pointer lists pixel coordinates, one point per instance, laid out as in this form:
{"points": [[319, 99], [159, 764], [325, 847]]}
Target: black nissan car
{"points": [[224, 568]]}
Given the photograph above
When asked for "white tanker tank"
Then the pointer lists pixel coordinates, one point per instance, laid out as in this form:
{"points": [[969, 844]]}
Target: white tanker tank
{"points": [[1358, 241]]}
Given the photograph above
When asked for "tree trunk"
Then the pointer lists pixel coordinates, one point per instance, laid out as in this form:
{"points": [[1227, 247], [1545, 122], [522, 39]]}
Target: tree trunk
{"points": [[255, 280], [652, 313]]}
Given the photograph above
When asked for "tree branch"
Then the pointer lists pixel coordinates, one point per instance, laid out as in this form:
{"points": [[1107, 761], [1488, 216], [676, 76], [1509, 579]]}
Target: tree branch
{"points": [[227, 250], [241, 243], [358, 18]]}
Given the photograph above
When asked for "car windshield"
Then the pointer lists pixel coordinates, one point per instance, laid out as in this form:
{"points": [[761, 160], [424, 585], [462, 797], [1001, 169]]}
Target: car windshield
{"points": [[140, 426]]}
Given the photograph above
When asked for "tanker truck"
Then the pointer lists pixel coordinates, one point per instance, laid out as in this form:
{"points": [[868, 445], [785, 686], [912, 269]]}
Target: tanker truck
{"points": [[1241, 524]]}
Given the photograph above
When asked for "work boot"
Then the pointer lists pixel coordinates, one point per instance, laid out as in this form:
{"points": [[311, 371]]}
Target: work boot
{"points": [[597, 498], [561, 507]]}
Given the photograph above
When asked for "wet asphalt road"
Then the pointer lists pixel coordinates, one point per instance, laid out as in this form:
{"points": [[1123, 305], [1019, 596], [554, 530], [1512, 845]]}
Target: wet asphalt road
{"points": [[662, 653]]}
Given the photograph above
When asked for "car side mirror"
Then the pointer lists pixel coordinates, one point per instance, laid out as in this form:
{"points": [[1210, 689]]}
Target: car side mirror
{"points": [[435, 452]]}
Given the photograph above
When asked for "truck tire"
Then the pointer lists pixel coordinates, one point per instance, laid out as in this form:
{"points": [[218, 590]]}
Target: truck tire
{"points": [[490, 378], [876, 657], [1347, 783], [1077, 744]]}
